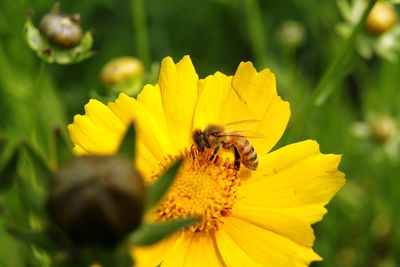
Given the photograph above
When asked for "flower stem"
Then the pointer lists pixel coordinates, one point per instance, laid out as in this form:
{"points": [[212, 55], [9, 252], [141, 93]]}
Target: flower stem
{"points": [[256, 32], [35, 101], [337, 70], [139, 18], [340, 61]]}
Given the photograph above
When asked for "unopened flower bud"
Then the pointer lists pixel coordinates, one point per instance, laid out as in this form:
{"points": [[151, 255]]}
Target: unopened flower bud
{"points": [[346, 257], [121, 69], [382, 227], [97, 200], [62, 30], [291, 34], [382, 18], [383, 128]]}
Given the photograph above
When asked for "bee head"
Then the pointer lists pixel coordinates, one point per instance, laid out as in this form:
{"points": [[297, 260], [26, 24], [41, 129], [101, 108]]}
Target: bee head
{"points": [[198, 139], [211, 134]]}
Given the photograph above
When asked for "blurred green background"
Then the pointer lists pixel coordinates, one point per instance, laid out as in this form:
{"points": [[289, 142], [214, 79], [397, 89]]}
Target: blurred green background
{"points": [[363, 100]]}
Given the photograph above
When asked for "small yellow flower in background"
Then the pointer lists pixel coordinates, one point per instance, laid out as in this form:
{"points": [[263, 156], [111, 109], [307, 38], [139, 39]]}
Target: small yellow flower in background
{"points": [[247, 218]]}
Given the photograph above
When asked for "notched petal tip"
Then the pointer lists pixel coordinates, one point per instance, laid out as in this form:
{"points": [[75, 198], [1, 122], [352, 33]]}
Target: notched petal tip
{"points": [[247, 70], [168, 62], [77, 150], [72, 126]]}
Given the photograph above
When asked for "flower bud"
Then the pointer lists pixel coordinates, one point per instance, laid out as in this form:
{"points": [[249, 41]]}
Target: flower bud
{"points": [[121, 69], [382, 18], [346, 257], [382, 227], [291, 34], [62, 30], [383, 128], [97, 200]]}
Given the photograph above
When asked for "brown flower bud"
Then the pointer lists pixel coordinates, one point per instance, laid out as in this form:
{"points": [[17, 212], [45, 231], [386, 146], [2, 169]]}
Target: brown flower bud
{"points": [[97, 200], [382, 18], [121, 69], [383, 128], [62, 30]]}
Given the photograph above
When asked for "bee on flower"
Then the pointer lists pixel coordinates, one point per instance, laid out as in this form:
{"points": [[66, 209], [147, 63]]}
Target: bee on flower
{"points": [[254, 215]]}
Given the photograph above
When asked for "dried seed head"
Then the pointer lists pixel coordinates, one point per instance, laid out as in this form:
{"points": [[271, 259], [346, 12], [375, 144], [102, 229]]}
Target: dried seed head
{"points": [[62, 30], [97, 200], [291, 34], [383, 128], [121, 69], [382, 18]]}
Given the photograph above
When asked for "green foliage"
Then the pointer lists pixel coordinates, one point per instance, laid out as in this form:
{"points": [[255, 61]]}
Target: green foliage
{"points": [[158, 189], [61, 147], [127, 148], [150, 233], [9, 162]]}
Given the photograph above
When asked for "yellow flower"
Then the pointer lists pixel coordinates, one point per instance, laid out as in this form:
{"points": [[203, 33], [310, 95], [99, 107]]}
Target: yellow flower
{"points": [[248, 218]]}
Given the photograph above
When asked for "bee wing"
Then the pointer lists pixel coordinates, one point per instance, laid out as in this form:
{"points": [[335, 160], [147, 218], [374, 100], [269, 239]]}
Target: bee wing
{"points": [[242, 128], [243, 122], [241, 125], [245, 134]]}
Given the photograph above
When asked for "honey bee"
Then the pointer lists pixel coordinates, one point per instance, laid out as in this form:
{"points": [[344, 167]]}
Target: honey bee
{"points": [[215, 136]]}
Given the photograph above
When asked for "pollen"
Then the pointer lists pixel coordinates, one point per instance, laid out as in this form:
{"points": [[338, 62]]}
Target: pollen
{"points": [[205, 187]]}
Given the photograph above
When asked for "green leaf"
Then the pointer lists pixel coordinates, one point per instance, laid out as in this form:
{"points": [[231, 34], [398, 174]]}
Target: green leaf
{"points": [[127, 148], [42, 169], [33, 37], [150, 233], [157, 190], [8, 165], [61, 147], [32, 237]]}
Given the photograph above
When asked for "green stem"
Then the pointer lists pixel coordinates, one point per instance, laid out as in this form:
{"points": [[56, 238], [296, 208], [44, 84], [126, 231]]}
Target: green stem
{"points": [[37, 91], [140, 26], [336, 71], [256, 32], [340, 61]]}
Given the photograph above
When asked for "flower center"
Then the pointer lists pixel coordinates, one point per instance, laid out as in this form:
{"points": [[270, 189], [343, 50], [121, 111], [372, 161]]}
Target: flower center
{"points": [[205, 187]]}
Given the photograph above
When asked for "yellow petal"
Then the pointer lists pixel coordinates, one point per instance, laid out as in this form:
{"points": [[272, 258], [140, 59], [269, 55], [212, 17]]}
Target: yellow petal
{"points": [[98, 131], [215, 92], [281, 221], [283, 158], [268, 248], [177, 254], [293, 176], [202, 252], [231, 253], [149, 131], [150, 98], [152, 256], [178, 83], [272, 126], [78, 150], [147, 165], [259, 100]]}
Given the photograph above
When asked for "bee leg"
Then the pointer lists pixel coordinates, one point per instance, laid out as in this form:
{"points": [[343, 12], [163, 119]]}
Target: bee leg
{"points": [[192, 151], [214, 153], [236, 163]]}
